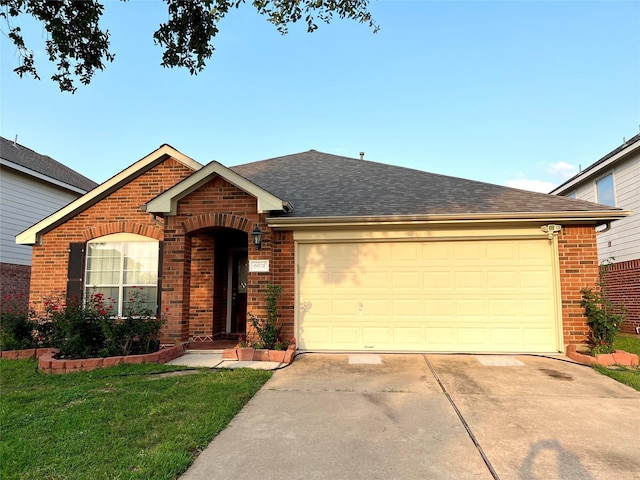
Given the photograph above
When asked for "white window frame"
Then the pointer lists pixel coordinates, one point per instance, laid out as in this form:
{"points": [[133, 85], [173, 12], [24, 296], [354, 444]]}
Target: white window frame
{"points": [[118, 238]]}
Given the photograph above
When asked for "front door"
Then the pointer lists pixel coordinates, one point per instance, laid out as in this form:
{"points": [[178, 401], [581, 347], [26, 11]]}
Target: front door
{"points": [[238, 271]]}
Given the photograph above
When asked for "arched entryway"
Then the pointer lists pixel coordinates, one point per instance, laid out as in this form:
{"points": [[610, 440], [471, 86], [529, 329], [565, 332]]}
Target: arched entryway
{"points": [[218, 286]]}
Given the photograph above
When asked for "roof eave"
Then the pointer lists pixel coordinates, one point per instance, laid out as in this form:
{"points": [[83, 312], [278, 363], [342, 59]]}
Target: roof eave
{"points": [[40, 176], [31, 236], [593, 217], [597, 167]]}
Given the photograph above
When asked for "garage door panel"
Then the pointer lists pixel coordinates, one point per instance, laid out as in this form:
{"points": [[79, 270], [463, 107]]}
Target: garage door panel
{"points": [[436, 281], [467, 295], [375, 280], [441, 336], [505, 308], [377, 336], [408, 280], [470, 280], [436, 254], [506, 336]]}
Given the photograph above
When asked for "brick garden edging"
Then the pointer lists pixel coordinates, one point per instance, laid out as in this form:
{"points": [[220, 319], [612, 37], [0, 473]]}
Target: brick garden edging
{"points": [[47, 363], [259, 355], [618, 357]]}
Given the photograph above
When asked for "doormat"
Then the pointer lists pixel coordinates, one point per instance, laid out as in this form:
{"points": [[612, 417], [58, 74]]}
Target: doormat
{"points": [[365, 359], [498, 361]]}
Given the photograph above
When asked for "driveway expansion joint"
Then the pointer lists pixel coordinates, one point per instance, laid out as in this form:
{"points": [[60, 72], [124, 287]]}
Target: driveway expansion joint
{"points": [[466, 426]]}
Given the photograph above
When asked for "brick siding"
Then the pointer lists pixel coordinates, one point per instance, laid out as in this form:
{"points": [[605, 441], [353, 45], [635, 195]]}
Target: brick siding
{"points": [[14, 287], [578, 256], [116, 213], [622, 281]]}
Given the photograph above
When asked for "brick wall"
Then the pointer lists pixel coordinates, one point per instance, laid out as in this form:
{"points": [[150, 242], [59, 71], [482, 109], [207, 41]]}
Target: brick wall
{"points": [[118, 212], [14, 287], [188, 264], [578, 255], [623, 288]]}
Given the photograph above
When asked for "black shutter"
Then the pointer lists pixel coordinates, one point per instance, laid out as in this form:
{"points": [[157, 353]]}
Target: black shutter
{"points": [[159, 299], [75, 272]]}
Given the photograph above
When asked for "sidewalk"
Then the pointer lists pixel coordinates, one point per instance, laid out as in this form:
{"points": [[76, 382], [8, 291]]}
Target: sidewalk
{"points": [[213, 359]]}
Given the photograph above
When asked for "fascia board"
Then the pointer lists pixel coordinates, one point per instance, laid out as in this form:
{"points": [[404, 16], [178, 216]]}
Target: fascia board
{"points": [[565, 217], [590, 172], [167, 202], [30, 236]]}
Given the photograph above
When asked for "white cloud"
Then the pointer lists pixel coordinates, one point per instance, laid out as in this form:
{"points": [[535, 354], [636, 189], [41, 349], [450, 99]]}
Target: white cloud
{"points": [[532, 185], [555, 174], [562, 170]]}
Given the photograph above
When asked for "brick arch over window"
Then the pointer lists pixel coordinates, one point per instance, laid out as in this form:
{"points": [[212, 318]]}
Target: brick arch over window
{"points": [[123, 227], [217, 220]]}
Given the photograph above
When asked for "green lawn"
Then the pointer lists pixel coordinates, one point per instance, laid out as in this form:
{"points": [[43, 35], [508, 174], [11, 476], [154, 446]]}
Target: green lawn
{"points": [[628, 376], [125, 422]]}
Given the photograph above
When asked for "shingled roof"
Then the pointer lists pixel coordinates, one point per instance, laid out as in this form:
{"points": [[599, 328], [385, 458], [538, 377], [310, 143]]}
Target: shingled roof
{"points": [[323, 185], [43, 164]]}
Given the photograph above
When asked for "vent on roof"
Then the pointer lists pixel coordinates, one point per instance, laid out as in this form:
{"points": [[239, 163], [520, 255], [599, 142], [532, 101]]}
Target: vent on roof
{"points": [[361, 155]]}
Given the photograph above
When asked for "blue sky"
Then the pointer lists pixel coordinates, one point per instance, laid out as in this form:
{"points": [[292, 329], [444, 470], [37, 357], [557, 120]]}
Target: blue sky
{"points": [[512, 93]]}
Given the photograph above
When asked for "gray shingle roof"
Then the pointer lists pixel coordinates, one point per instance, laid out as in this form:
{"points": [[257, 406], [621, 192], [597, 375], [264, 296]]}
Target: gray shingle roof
{"points": [[323, 185], [43, 164]]}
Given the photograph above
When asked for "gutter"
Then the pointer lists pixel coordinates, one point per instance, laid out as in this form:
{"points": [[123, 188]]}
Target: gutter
{"points": [[599, 216]]}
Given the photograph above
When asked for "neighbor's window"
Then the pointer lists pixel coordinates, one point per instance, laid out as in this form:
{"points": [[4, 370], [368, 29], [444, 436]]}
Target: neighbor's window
{"points": [[117, 265], [573, 194], [604, 190]]}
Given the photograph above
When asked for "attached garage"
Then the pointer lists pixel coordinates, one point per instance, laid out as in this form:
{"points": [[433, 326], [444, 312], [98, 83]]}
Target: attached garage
{"points": [[459, 294]]}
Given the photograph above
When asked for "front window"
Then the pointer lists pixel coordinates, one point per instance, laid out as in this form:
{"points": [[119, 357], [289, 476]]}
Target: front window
{"points": [[604, 190], [118, 266]]}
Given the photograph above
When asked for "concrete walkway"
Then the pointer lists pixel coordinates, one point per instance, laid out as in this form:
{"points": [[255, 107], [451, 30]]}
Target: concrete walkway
{"points": [[430, 417], [213, 359]]}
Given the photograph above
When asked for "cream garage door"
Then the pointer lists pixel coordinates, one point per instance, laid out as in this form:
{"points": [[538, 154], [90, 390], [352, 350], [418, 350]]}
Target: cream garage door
{"points": [[454, 296]]}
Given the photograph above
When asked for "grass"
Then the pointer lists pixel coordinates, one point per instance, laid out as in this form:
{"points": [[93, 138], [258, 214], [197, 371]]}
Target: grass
{"points": [[628, 376], [125, 422]]}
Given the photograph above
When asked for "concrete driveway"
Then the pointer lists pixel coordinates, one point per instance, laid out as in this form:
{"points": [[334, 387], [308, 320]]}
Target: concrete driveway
{"points": [[413, 416]]}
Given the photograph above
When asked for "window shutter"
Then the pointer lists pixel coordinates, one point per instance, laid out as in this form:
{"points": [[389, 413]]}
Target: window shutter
{"points": [[75, 272], [159, 304]]}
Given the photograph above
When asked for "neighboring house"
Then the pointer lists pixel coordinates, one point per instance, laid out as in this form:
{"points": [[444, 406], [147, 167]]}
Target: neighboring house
{"points": [[371, 257], [615, 180], [32, 186]]}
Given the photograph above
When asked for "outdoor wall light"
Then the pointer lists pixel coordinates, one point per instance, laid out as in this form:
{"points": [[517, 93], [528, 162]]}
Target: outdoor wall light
{"points": [[257, 237]]}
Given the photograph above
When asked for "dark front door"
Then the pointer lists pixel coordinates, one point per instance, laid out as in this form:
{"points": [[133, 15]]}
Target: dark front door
{"points": [[239, 272]]}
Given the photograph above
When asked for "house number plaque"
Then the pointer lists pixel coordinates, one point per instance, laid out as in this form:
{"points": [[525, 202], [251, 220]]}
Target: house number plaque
{"points": [[258, 265]]}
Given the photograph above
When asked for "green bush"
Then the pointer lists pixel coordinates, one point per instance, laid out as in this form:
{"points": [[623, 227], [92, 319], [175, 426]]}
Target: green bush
{"points": [[91, 330], [604, 318], [267, 329], [17, 329]]}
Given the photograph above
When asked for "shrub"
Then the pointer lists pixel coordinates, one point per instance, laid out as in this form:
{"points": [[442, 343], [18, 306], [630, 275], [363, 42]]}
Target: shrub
{"points": [[91, 330], [16, 328], [137, 332], [604, 318], [76, 329], [267, 329]]}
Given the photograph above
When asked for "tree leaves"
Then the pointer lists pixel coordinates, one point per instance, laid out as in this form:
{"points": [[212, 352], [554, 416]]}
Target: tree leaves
{"points": [[79, 47]]}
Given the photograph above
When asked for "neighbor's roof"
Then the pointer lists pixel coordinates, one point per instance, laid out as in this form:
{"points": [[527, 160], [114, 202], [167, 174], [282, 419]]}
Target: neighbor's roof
{"points": [[323, 185], [595, 169], [44, 165]]}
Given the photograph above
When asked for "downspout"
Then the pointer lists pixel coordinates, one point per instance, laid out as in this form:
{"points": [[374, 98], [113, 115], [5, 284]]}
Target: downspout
{"points": [[606, 228]]}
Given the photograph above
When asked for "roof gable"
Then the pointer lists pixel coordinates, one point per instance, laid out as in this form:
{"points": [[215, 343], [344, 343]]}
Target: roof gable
{"points": [[166, 203], [31, 235]]}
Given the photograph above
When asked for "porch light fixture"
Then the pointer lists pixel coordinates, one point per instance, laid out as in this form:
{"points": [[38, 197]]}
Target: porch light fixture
{"points": [[257, 237]]}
